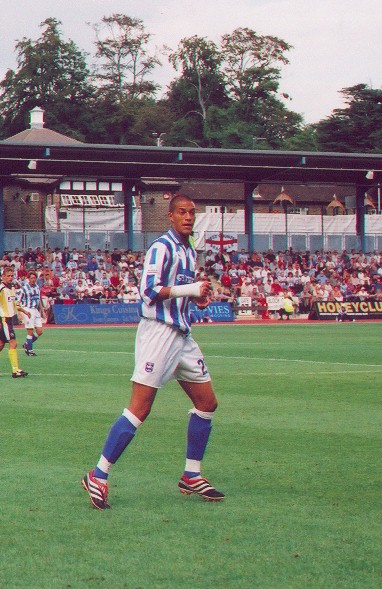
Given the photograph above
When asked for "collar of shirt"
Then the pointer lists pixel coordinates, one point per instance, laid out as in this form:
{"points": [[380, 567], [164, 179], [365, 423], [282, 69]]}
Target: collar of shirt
{"points": [[176, 237]]}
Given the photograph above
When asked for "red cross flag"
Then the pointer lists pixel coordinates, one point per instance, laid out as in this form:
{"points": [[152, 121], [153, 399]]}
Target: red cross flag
{"points": [[220, 242]]}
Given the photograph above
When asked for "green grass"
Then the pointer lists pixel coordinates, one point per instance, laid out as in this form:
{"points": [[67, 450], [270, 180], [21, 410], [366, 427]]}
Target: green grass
{"points": [[296, 446]]}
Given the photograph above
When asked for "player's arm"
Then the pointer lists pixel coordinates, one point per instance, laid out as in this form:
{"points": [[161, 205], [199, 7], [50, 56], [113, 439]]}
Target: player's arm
{"points": [[21, 309], [153, 282], [200, 289]]}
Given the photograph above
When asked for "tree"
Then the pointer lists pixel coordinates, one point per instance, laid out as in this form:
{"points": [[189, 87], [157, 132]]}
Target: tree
{"points": [[357, 127], [124, 60], [201, 84], [51, 74], [304, 140], [230, 92], [252, 66]]}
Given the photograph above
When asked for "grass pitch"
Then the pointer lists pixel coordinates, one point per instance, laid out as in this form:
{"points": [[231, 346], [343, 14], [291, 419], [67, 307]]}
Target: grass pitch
{"points": [[296, 446]]}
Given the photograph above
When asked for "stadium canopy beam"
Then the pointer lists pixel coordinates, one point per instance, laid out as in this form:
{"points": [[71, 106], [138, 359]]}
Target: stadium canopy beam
{"points": [[129, 163]]}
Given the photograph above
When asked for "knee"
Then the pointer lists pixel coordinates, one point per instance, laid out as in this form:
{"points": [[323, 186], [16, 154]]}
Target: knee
{"points": [[141, 410], [207, 406]]}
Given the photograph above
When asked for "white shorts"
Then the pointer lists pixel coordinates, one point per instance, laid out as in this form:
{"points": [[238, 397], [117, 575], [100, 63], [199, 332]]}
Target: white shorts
{"points": [[34, 320], [163, 353]]}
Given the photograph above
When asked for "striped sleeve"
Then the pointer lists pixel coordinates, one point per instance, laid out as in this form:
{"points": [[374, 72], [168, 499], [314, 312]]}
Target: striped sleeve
{"points": [[154, 275]]}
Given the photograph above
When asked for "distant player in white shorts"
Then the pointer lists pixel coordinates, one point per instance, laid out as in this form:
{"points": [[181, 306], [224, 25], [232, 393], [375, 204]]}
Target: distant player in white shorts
{"points": [[165, 350], [30, 298]]}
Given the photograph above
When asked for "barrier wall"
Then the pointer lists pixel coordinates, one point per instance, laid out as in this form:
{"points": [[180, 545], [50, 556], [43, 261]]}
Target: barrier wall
{"points": [[121, 313], [102, 313], [355, 309]]}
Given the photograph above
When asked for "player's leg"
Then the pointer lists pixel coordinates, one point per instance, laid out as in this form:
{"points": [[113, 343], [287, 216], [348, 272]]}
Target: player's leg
{"points": [[33, 325], [28, 344], [120, 435], [198, 433], [13, 357], [152, 369], [195, 380], [123, 430]]}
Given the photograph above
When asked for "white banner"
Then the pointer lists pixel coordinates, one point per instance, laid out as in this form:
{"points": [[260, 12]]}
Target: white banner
{"points": [[274, 303], [245, 302]]}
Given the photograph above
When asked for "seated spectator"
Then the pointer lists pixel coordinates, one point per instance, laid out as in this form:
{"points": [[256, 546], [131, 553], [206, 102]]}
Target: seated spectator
{"points": [[247, 288], [222, 294], [276, 288], [243, 256], [210, 258], [129, 294], [115, 279], [225, 279]]}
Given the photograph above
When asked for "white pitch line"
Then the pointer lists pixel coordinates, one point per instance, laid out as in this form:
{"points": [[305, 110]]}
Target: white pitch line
{"points": [[246, 358], [317, 373], [263, 359], [65, 375], [85, 351], [268, 374]]}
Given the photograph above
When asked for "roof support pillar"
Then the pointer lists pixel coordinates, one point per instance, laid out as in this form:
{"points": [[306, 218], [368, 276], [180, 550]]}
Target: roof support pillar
{"points": [[128, 224], [2, 214], [249, 187], [360, 216]]}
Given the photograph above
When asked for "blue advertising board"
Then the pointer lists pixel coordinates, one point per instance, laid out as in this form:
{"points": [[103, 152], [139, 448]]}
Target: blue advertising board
{"points": [[218, 311], [104, 313]]}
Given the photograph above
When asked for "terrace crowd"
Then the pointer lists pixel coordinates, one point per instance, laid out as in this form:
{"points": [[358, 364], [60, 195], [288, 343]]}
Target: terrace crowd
{"points": [[93, 276]]}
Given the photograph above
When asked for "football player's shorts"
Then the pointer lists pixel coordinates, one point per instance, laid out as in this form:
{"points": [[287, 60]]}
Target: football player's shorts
{"points": [[34, 320], [163, 353], [7, 331]]}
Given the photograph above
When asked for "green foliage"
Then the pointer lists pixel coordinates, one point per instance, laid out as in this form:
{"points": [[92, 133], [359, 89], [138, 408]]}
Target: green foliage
{"points": [[51, 74], [224, 95], [252, 66], [124, 60], [295, 445], [356, 128], [304, 140], [201, 80]]}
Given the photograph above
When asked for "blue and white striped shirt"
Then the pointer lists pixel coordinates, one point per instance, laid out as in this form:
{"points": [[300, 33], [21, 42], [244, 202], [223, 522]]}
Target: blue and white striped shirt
{"points": [[29, 296], [168, 262]]}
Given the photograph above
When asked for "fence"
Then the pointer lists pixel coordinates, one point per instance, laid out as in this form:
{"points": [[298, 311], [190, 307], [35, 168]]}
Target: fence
{"points": [[263, 241]]}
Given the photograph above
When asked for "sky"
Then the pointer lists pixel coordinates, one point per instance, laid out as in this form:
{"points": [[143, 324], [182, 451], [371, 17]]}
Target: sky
{"points": [[336, 43]]}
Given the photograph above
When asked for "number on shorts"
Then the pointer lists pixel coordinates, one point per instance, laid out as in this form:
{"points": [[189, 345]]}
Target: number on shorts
{"points": [[202, 364]]}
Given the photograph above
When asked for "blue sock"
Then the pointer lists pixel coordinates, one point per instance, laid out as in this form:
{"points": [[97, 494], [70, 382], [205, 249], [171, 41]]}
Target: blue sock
{"points": [[34, 337], [190, 474], [199, 430], [120, 435]]}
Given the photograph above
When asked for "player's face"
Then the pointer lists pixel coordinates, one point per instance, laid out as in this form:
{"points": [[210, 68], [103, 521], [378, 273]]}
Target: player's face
{"points": [[183, 217], [32, 279], [7, 277]]}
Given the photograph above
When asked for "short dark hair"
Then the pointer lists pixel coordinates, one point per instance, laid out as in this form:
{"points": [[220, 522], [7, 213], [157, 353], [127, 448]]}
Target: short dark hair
{"points": [[175, 199]]}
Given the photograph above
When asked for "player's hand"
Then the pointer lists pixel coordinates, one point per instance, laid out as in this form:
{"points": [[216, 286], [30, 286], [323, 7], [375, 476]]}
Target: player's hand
{"points": [[205, 289], [205, 295]]}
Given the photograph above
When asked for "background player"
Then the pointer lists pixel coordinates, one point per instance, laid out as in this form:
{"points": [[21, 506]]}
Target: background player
{"points": [[8, 310], [164, 350], [30, 298]]}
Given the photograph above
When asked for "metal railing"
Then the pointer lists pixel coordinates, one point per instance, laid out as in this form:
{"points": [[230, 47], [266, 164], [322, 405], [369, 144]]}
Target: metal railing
{"points": [[118, 239]]}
